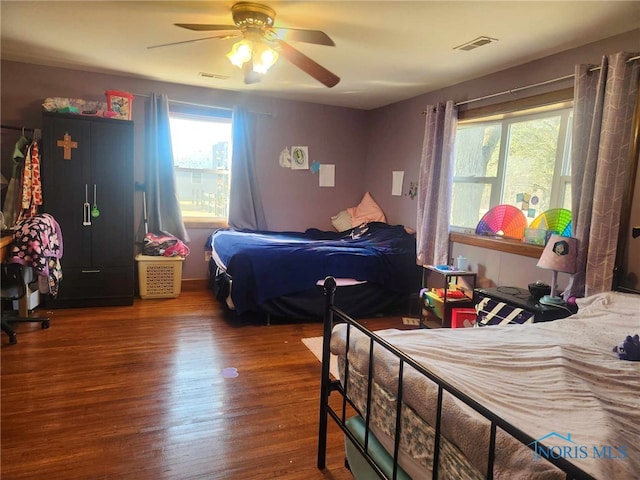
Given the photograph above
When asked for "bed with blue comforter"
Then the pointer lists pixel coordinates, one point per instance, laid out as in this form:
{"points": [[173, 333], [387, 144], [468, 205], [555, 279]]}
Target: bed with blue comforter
{"points": [[281, 273]]}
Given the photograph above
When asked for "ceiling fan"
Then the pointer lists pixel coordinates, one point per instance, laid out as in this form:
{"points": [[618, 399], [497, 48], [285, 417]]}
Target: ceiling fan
{"points": [[262, 43]]}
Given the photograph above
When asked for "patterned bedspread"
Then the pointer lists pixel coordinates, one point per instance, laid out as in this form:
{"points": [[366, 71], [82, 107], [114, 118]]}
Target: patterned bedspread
{"points": [[560, 382]]}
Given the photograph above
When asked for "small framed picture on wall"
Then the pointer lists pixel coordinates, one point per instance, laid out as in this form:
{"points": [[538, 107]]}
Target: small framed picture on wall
{"points": [[300, 158]]}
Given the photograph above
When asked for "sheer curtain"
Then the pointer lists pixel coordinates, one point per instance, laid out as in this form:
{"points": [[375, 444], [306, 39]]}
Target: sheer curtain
{"points": [[604, 105], [245, 202], [435, 184], [163, 208]]}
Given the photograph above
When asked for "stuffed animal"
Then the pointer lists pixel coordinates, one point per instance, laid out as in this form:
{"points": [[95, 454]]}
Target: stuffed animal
{"points": [[629, 349]]}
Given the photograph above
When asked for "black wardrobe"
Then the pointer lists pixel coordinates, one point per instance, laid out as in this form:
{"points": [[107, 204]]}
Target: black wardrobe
{"points": [[88, 186]]}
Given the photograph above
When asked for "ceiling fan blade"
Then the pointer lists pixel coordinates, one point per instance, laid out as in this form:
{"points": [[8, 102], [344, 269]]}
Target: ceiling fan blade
{"points": [[307, 65], [203, 27], [308, 36], [223, 37]]}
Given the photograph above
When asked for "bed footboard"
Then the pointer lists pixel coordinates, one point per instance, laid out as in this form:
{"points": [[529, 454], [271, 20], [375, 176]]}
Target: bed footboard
{"points": [[364, 441]]}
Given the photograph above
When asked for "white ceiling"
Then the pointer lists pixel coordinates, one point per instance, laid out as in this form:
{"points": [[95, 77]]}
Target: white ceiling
{"points": [[385, 51]]}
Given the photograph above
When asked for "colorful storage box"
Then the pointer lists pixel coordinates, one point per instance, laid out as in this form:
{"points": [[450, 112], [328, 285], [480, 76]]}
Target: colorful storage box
{"points": [[120, 103], [434, 303], [463, 317]]}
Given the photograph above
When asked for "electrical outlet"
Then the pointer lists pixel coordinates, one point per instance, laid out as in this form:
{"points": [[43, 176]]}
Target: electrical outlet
{"points": [[410, 321]]}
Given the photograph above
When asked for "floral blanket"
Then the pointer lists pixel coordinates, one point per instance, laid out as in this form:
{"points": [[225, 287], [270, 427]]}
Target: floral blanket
{"points": [[37, 243]]}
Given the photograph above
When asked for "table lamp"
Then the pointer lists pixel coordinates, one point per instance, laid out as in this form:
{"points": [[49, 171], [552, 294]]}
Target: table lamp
{"points": [[559, 255]]}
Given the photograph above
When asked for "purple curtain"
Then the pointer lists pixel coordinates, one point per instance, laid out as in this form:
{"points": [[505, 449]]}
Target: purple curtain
{"points": [[604, 105], [435, 184], [163, 207]]}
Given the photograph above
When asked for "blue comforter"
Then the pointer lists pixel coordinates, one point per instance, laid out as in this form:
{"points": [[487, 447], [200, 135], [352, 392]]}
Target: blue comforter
{"points": [[265, 265]]}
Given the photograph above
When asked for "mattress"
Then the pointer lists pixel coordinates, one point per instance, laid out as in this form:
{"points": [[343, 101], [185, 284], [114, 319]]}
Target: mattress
{"points": [[560, 382], [417, 436]]}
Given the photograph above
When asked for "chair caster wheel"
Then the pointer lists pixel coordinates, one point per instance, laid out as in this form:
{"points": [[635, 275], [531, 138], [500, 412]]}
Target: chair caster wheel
{"points": [[45, 324]]}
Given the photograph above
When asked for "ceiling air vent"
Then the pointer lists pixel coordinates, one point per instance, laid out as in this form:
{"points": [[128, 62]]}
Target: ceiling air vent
{"points": [[213, 75], [478, 42]]}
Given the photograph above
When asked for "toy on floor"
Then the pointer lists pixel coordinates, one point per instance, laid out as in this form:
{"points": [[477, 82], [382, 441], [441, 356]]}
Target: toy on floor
{"points": [[629, 349]]}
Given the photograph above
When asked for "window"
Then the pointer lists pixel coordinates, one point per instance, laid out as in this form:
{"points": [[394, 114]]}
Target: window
{"points": [[201, 145], [520, 159]]}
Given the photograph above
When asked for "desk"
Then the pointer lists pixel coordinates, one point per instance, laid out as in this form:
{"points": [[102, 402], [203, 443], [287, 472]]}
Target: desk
{"points": [[5, 247]]}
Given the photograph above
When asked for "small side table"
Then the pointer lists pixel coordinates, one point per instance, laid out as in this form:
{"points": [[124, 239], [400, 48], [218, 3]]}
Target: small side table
{"points": [[521, 298], [439, 307]]}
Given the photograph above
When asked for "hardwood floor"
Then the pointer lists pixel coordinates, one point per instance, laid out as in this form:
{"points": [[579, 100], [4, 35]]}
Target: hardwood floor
{"points": [[137, 393]]}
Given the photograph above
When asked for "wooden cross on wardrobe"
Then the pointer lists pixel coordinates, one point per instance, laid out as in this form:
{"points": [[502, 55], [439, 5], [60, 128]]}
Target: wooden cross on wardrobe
{"points": [[67, 145]]}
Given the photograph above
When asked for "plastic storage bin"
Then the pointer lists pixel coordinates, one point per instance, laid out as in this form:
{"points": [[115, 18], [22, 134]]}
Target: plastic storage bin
{"points": [[463, 317], [434, 303], [120, 103], [159, 277]]}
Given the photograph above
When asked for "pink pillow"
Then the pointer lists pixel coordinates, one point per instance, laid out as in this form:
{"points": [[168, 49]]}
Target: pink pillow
{"points": [[366, 211]]}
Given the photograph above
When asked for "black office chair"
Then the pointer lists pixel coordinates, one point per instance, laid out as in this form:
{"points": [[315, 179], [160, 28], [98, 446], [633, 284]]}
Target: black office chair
{"points": [[14, 288]]}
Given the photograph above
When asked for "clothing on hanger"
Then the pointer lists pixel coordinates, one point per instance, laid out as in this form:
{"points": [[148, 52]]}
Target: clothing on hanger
{"points": [[12, 202], [31, 195]]}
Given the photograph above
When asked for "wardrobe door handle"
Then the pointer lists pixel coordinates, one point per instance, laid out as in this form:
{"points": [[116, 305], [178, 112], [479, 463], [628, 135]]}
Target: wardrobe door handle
{"points": [[94, 209], [90, 271], [86, 208], [86, 215]]}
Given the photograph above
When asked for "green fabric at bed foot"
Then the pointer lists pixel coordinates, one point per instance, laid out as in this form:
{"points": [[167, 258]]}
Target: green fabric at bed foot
{"points": [[359, 466]]}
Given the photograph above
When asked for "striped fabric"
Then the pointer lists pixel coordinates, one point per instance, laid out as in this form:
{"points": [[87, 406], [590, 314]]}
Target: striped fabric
{"points": [[493, 312]]}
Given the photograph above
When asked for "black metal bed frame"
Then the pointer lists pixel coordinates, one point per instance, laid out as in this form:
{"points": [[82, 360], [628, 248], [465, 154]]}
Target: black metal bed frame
{"points": [[328, 386]]}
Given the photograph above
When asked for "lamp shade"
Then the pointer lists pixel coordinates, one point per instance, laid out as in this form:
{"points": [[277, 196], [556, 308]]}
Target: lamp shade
{"points": [[263, 57], [559, 254], [240, 53]]}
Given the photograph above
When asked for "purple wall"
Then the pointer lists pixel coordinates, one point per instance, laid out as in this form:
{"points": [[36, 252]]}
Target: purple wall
{"points": [[292, 198], [365, 146], [396, 131]]}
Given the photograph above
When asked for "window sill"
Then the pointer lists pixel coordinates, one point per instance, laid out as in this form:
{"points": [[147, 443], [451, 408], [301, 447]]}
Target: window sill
{"points": [[497, 243], [205, 223]]}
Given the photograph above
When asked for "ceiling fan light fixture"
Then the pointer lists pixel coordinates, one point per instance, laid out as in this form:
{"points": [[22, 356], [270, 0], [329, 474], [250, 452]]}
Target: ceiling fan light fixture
{"points": [[258, 52], [263, 43], [263, 57], [240, 53], [251, 14]]}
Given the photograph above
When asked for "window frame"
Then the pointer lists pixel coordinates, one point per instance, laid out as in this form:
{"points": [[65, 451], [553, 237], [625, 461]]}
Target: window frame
{"points": [[202, 113], [536, 103]]}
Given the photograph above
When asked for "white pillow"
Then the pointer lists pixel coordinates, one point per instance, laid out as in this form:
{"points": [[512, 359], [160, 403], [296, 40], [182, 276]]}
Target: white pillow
{"points": [[341, 221]]}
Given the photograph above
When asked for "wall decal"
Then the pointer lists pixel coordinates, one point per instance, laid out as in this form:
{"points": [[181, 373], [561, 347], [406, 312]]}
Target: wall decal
{"points": [[413, 190], [285, 158], [300, 158]]}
